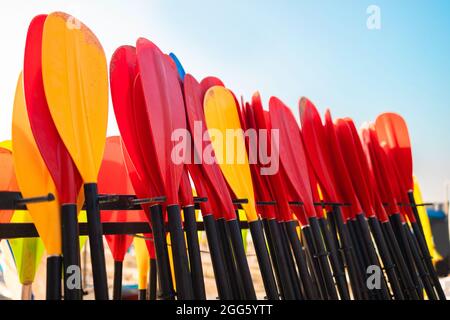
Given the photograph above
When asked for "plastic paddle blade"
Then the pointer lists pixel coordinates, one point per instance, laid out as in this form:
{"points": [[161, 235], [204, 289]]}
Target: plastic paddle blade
{"points": [[180, 69], [291, 151], [314, 140], [59, 163], [378, 164], [165, 114], [358, 167], [27, 252], [150, 172], [221, 115], [113, 179], [33, 177], [262, 122], [339, 167], [123, 72], [76, 86], [142, 261], [392, 130], [202, 146], [263, 192], [8, 180]]}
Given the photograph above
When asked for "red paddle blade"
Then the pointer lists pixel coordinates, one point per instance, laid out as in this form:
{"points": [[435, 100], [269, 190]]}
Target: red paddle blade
{"points": [[8, 180], [59, 163], [393, 132], [123, 72], [339, 168], [185, 193], [146, 145], [165, 113], [210, 171], [355, 165], [314, 140], [386, 175], [292, 154], [113, 179], [276, 185], [262, 192], [368, 174], [379, 167]]}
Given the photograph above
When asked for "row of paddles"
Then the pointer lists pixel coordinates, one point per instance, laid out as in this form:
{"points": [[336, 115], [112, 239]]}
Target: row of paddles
{"points": [[174, 134]]}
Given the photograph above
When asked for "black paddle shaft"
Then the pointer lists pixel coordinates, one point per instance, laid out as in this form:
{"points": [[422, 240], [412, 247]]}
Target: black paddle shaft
{"points": [[349, 249], [420, 263], [276, 269], [420, 236], [195, 259], [300, 293], [230, 265], [153, 283], [428, 261], [403, 272], [71, 252], [338, 271], [117, 283], [217, 259], [290, 228], [259, 242], [95, 231], [322, 255], [183, 279], [392, 270], [406, 249], [162, 255], [241, 259], [281, 260], [54, 271]]}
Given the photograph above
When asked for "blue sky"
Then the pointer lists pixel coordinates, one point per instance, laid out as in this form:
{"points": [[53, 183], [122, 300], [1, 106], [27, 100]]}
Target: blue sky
{"points": [[320, 49]]}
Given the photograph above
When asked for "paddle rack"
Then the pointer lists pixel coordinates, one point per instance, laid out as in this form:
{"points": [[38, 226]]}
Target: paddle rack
{"points": [[15, 201]]}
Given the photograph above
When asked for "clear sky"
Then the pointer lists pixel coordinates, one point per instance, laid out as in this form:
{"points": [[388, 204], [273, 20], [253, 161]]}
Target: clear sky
{"points": [[320, 49]]}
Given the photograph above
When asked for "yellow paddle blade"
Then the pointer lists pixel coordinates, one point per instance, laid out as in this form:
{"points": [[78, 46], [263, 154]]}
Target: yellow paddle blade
{"points": [[27, 252], [425, 222], [224, 127], [142, 260], [76, 86], [33, 177]]}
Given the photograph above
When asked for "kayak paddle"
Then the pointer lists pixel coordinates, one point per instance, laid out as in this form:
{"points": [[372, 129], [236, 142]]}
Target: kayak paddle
{"points": [[63, 171], [164, 110], [75, 78]]}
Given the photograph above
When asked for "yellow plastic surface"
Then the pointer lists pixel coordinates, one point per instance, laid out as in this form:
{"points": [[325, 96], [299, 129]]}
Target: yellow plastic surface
{"points": [[75, 76], [33, 177], [221, 116]]}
